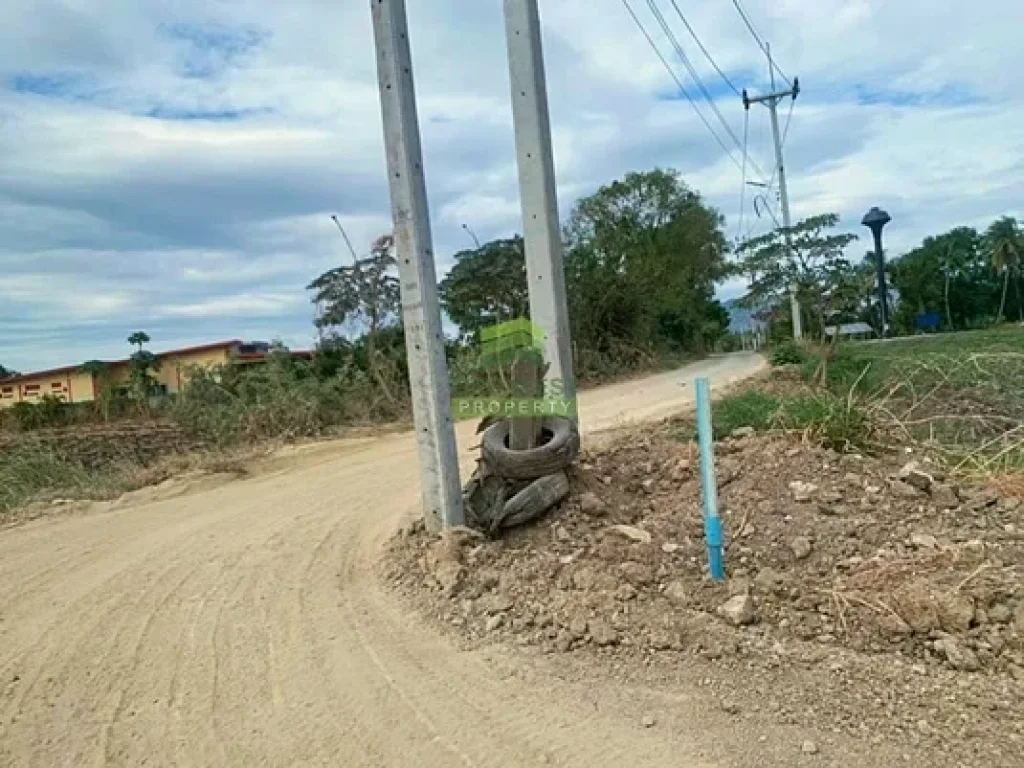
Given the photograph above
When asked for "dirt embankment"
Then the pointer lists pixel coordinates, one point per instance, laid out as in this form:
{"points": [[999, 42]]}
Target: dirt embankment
{"points": [[870, 597]]}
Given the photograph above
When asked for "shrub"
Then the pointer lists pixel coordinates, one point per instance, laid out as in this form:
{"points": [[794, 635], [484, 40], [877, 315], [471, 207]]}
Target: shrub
{"points": [[835, 422], [752, 408], [788, 353], [284, 399]]}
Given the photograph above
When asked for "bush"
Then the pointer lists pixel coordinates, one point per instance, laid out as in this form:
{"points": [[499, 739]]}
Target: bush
{"points": [[835, 422], [752, 408], [284, 399], [788, 353], [49, 411]]}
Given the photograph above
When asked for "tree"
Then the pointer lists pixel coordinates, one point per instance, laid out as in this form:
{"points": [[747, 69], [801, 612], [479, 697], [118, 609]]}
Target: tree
{"points": [[141, 365], [100, 373], [487, 285], [366, 294], [6, 373], [944, 275], [139, 339], [642, 257], [1005, 243], [814, 265]]}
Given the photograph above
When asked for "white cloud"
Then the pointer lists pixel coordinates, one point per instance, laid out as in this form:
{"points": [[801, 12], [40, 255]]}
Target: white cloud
{"points": [[244, 304], [174, 166]]}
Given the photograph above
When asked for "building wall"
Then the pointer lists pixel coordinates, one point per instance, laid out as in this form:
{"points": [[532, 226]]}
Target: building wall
{"points": [[71, 387], [174, 369], [78, 387], [9, 394], [81, 387]]}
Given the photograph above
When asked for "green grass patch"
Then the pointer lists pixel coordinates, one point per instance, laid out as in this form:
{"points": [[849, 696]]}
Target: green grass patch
{"points": [[750, 408], [836, 422], [959, 394]]}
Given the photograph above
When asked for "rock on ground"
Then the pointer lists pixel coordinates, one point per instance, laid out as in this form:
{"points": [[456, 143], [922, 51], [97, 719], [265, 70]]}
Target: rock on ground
{"points": [[738, 610]]}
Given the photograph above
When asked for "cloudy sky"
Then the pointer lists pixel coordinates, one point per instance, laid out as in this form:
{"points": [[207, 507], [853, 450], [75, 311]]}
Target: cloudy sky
{"points": [[171, 165]]}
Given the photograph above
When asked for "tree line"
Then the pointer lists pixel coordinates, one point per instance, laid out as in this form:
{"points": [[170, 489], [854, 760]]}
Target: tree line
{"points": [[963, 278], [642, 256]]}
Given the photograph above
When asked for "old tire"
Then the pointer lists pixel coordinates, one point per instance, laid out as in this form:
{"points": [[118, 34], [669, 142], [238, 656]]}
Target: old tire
{"points": [[557, 453], [534, 500]]}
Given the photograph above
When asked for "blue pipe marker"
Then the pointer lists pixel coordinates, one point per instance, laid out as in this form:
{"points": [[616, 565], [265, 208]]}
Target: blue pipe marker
{"points": [[712, 522]]}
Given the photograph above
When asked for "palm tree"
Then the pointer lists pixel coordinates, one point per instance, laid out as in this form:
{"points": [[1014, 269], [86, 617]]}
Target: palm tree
{"points": [[1005, 244], [138, 339]]}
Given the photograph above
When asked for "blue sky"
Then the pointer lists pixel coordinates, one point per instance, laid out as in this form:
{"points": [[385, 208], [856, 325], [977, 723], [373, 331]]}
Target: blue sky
{"points": [[173, 166]]}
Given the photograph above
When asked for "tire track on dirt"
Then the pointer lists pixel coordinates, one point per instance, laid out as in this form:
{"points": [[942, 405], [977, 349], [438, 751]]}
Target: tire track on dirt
{"points": [[244, 626]]}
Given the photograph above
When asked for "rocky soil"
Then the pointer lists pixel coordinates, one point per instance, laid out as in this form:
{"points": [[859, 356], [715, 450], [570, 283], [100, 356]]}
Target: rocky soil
{"points": [[866, 597]]}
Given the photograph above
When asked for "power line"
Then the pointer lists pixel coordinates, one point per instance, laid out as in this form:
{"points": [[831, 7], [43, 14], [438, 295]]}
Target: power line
{"points": [[674, 41], [682, 89], [760, 42], [714, 64]]}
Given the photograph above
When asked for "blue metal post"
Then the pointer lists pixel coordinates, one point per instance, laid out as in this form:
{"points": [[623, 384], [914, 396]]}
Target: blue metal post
{"points": [[712, 522]]}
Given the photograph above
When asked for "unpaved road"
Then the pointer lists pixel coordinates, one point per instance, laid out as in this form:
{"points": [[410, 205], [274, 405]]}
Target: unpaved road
{"points": [[244, 626]]}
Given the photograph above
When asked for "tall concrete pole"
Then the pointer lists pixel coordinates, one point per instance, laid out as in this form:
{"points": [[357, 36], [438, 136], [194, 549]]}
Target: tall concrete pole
{"points": [[772, 101], [421, 312], [541, 230], [787, 222]]}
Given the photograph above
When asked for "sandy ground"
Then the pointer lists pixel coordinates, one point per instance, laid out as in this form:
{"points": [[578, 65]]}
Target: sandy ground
{"points": [[244, 624]]}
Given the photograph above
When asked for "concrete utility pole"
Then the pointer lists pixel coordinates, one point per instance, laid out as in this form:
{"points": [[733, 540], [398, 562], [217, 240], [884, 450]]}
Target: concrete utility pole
{"points": [[421, 312], [772, 101], [541, 231]]}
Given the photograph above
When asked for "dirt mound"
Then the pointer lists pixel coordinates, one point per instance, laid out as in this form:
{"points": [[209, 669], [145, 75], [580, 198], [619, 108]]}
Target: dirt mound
{"points": [[889, 586]]}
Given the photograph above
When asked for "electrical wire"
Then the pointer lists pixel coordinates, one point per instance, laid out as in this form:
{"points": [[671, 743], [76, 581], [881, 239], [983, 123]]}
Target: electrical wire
{"points": [[760, 42], [714, 64], [682, 89], [674, 41]]}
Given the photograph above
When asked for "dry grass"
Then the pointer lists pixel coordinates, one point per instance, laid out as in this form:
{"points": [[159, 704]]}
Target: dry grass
{"points": [[34, 473]]}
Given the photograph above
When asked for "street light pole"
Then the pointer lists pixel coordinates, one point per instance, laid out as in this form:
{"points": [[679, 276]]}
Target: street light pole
{"points": [[875, 220], [472, 234]]}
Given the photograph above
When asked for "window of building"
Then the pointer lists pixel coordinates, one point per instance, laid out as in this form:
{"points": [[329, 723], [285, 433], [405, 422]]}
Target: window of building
{"points": [[31, 387], [57, 385]]}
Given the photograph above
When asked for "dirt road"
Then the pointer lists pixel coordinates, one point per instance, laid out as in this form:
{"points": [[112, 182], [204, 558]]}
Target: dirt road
{"points": [[243, 625]]}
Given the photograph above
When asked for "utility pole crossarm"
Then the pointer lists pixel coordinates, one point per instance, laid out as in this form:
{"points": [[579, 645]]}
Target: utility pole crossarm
{"points": [[775, 96]]}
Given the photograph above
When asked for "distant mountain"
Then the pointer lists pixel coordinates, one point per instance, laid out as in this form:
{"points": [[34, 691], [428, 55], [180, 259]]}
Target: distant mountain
{"points": [[740, 318]]}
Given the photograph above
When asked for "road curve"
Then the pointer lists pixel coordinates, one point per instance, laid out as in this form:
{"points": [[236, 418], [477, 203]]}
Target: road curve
{"points": [[244, 626]]}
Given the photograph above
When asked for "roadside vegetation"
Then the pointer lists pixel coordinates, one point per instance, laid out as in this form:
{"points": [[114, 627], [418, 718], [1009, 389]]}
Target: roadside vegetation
{"points": [[956, 396], [642, 257]]}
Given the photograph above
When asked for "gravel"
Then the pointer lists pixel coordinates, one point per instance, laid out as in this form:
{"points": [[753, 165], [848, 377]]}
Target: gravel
{"points": [[888, 610]]}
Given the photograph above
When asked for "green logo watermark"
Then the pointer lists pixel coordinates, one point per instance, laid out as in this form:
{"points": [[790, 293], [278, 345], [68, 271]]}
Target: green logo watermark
{"points": [[503, 347]]}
